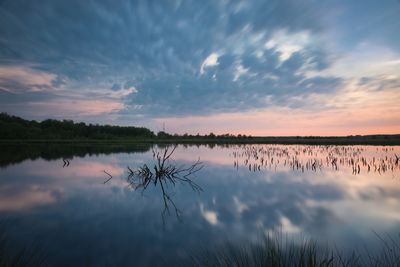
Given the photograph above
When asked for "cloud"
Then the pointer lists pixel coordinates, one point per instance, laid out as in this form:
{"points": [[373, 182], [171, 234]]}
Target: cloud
{"points": [[286, 43], [160, 54], [162, 59], [21, 79], [211, 60], [78, 107]]}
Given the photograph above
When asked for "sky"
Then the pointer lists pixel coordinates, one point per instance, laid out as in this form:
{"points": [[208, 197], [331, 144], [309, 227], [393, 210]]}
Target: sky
{"points": [[261, 68]]}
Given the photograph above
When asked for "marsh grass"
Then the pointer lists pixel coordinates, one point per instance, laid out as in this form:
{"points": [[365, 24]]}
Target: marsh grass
{"points": [[28, 255], [275, 250]]}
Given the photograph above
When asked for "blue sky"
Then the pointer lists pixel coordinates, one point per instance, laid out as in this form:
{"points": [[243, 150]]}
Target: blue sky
{"points": [[256, 67]]}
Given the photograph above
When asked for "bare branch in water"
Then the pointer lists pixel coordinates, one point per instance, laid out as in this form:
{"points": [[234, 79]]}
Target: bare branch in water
{"points": [[164, 173], [66, 162], [108, 178]]}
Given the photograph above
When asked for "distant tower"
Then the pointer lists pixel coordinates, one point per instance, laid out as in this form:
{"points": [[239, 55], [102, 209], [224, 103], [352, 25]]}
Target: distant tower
{"points": [[163, 127]]}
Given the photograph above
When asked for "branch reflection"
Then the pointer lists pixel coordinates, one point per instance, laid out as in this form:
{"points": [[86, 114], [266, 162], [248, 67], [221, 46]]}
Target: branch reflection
{"points": [[166, 175]]}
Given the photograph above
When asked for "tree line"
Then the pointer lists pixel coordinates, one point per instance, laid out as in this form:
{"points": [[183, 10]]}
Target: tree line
{"points": [[13, 127]]}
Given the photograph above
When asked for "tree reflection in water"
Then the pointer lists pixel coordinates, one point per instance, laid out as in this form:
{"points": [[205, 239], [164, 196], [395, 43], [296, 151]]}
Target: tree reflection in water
{"points": [[165, 174]]}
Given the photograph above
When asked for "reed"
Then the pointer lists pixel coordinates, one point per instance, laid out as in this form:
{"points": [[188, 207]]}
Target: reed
{"points": [[276, 250], [28, 255]]}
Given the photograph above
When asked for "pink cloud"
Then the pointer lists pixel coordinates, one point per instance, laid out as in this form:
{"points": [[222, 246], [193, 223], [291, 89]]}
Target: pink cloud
{"points": [[33, 80], [76, 107]]}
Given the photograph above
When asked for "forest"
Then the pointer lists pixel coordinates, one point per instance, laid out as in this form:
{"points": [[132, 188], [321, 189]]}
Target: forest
{"points": [[13, 127]]}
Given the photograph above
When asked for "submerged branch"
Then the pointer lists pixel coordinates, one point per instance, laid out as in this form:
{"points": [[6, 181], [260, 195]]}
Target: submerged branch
{"points": [[165, 174], [108, 178]]}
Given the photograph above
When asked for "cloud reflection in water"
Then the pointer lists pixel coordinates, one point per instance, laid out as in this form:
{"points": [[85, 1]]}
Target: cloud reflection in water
{"points": [[77, 212]]}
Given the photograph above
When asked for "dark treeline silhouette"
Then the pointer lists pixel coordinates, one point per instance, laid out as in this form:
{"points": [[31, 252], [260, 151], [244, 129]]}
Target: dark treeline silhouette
{"points": [[12, 127], [210, 136], [18, 129]]}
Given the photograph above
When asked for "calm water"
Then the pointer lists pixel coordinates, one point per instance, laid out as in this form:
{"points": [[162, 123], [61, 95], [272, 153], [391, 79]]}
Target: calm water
{"points": [[62, 198]]}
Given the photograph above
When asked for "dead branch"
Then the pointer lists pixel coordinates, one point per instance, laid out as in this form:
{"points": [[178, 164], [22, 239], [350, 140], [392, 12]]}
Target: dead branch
{"points": [[108, 178], [164, 173]]}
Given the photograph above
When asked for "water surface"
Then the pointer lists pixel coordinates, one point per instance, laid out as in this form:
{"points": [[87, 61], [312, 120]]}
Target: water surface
{"points": [[63, 198]]}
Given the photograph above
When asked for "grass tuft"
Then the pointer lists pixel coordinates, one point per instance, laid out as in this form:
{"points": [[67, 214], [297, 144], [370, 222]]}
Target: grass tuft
{"points": [[275, 251]]}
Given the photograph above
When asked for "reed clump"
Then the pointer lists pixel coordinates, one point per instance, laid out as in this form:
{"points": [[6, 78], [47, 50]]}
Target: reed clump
{"points": [[276, 251]]}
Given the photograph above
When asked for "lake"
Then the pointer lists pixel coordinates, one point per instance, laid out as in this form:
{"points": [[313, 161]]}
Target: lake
{"points": [[83, 207]]}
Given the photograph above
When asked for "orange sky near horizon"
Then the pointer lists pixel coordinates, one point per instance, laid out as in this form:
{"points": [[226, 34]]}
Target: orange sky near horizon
{"points": [[291, 123]]}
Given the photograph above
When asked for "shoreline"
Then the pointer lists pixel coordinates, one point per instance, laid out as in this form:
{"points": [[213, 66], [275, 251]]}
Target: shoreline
{"points": [[386, 141]]}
